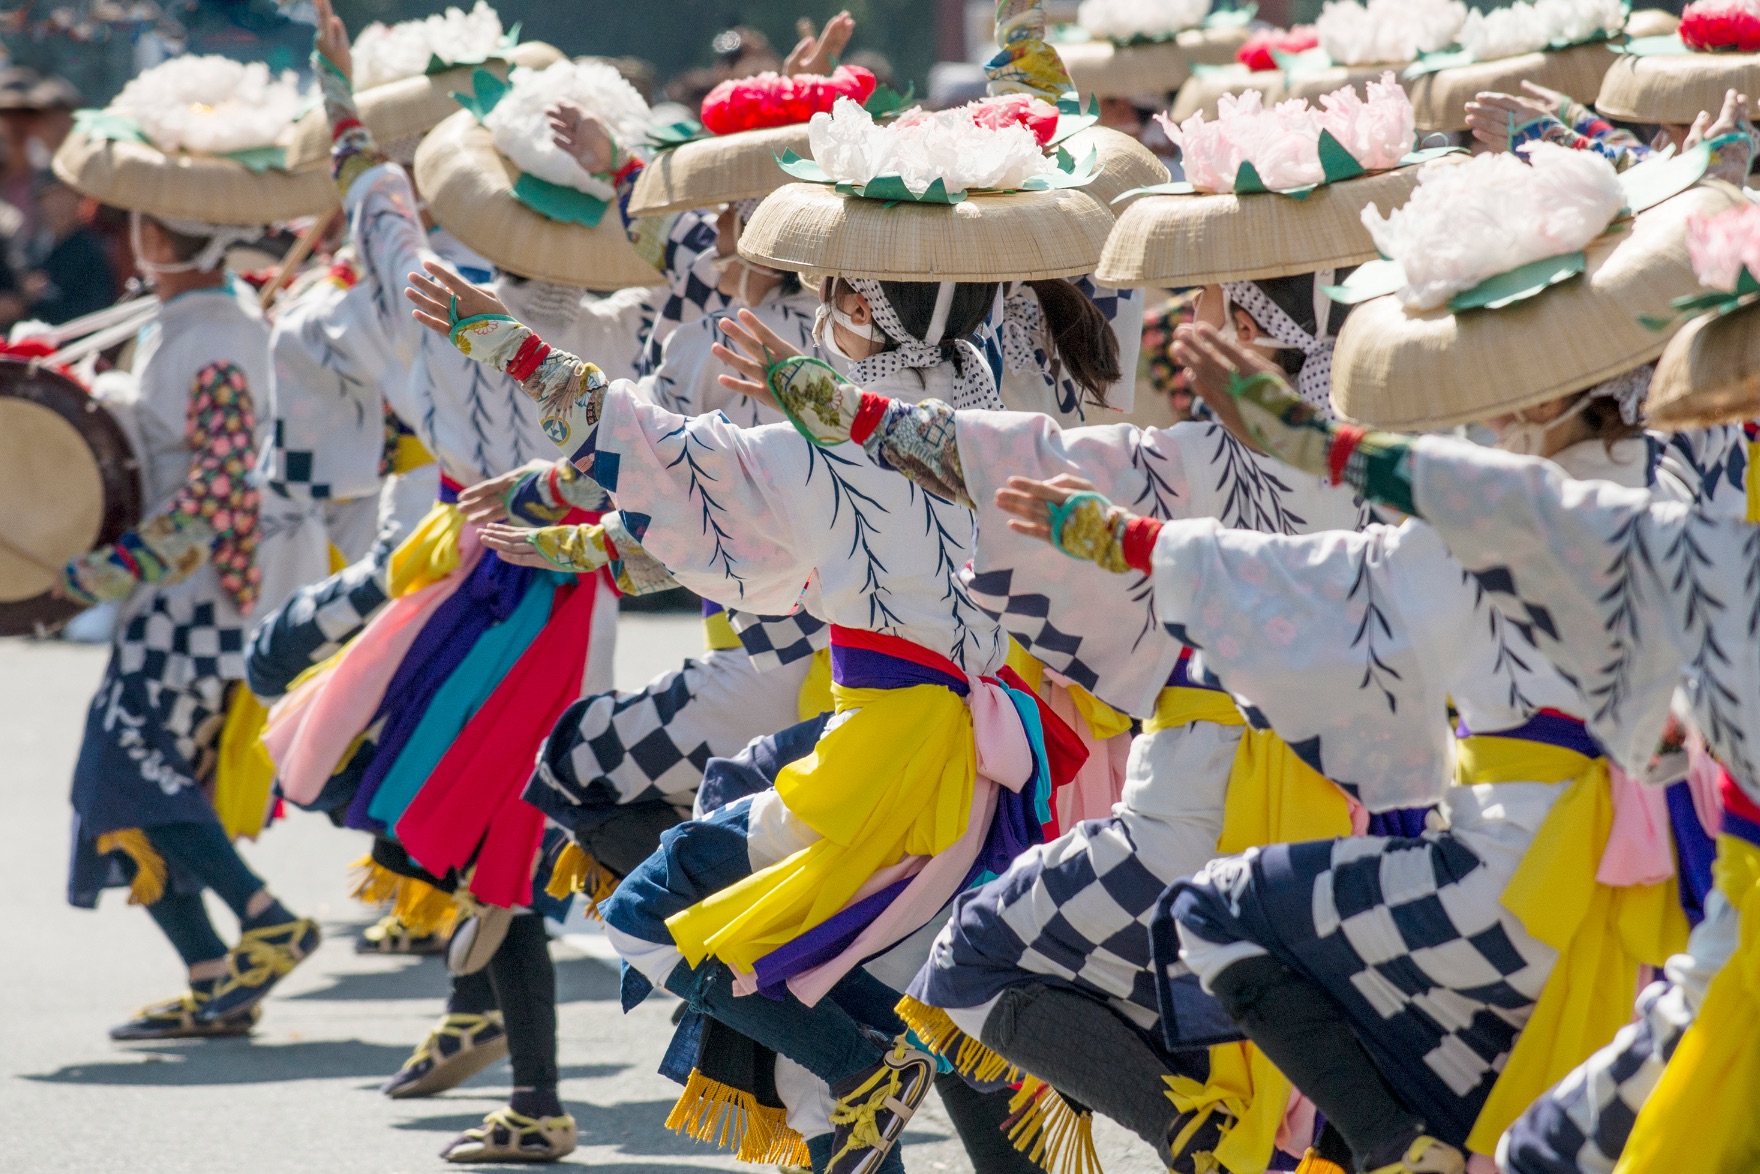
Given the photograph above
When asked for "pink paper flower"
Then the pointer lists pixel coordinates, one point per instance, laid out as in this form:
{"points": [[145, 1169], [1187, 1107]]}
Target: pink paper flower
{"points": [[1721, 246]]}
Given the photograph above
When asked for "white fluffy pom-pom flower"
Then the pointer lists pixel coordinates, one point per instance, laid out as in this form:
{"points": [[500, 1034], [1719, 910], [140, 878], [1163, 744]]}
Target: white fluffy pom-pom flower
{"points": [[1492, 214], [1387, 30], [921, 148], [522, 132], [387, 53], [211, 105], [1126, 20], [1283, 143], [1528, 28]]}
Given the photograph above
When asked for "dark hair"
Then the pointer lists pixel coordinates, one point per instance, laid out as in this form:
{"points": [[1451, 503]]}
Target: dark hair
{"points": [[1605, 422], [1295, 296], [914, 303], [1080, 336]]}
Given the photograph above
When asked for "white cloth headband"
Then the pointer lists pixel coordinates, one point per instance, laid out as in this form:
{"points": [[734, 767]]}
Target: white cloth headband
{"points": [[1314, 382], [973, 385]]}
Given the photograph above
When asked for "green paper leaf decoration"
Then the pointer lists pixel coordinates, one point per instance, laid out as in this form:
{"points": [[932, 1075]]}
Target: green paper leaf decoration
{"points": [[886, 101], [1519, 284], [1233, 17], [486, 91], [1300, 193], [1336, 163], [1372, 279], [677, 134], [802, 169], [1069, 174], [510, 38], [109, 125], [1432, 62], [1655, 180], [438, 64], [260, 159], [553, 201], [1429, 153], [1247, 181], [1307, 61], [1231, 69], [1668, 45], [1178, 187]]}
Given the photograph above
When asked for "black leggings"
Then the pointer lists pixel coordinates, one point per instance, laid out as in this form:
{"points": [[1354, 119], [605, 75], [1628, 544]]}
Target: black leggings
{"points": [[524, 979], [203, 851], [1298, 1026]]}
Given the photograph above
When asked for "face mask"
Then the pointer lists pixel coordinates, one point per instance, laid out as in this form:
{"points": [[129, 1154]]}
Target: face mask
{"points": [[721, 265], [1528, 439], [825, 316]]}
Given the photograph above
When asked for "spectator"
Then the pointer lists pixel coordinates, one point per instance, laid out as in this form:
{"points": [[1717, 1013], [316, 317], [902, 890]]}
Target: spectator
{"points": [[74, 277]]}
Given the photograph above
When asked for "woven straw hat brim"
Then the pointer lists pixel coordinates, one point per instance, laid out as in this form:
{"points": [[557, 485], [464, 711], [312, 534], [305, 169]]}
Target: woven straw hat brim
{"points": [[1024, 236], [1652, 22], [717, 170], [1203, 240], [399, 113], [1709, 374], [469, 189], [1202, 93], [1439, 100], [1413, 371], [139, 177], [1675, 89], [1124, 71], [1124, 164]]}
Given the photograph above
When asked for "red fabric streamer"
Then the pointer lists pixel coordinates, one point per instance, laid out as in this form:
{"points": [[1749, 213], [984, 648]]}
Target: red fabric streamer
{"points": [[769, 99], [471, 805], [1711, 25], [1256, 54]]}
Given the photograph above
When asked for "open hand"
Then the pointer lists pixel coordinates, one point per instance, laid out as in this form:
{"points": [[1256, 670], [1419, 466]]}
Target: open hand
{"points": [[1494, 118], [434, 291], [817, 54], [485, 502], [1730, 163], [1030, 502], [1214, 360], [583, 137], [332, 40], [514, 545], [758, 348]]}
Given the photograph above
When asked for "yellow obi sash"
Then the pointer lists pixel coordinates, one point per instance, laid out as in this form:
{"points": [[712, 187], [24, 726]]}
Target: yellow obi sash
{"points": [[718, 633], [430, 553], [1273, 798], [1602, 933], [244, 772], [1701, 1117], [893, 780]]}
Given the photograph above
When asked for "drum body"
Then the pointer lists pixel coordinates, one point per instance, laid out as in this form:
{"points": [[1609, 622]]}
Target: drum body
{"points": [[69, 483]]}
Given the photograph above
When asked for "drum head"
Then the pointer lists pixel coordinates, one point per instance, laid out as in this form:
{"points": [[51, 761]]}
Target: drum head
{"points": [[68, 483]]}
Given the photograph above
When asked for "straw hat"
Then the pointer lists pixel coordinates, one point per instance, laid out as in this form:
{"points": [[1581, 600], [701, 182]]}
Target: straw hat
{"points": [[1418, 370], [1439, 99], [1124, 164], [469, 188], [1651, 22], [1710, 373], [141, 178], [1675, 87], [1125, 71], [1203, 239], [1202, 92], [1021, 236], [399, 113], [717, 170]]}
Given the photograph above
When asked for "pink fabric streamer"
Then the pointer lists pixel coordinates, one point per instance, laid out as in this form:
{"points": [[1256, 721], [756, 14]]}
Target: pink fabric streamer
{"points": [[1296, 1133], [311, 728], [1704, 777], [1640, 848], [1100, 783], [1005, 758]]}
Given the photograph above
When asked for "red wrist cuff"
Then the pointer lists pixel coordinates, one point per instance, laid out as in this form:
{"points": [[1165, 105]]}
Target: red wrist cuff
{"points": [[868, 416], [1140, 534], [1345, 440], [630, 167], [532, 352]]}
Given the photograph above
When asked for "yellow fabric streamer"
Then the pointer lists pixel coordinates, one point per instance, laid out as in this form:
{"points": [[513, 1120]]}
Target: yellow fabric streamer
{"points": [[1180, 706], [430, 553], [1602, 933], [895, 779], [335, 559], [1701, 1116], [718, 633], [815, 695], [409, 454], [1244, 1085], [150, 872], [245, 774], [1753, 483]]}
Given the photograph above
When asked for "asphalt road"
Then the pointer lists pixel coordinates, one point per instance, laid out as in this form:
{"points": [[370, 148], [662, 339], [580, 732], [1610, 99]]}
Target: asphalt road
{"points": [[300, 1095]]}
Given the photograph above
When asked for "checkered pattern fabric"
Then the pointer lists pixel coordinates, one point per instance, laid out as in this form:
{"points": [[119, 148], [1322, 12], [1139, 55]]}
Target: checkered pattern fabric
{"points": [[774, 641], [1026, 615], [1409, 937], [1581, 1125], [185, 659], [619, 748], [315, 623], [689, 247]]}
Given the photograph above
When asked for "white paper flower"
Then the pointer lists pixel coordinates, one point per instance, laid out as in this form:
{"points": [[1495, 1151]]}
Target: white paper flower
{"points": [[921, 148], [1387, 30], [1124, 20], [1528, 28], [211, 105], [1492, 214], [522, 133], [388, 53]]}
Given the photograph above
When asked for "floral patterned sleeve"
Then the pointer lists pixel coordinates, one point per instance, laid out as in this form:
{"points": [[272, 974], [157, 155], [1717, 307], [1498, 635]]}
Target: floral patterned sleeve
{"points": [[544, 497], [213, 516], [1577, 127], [569, 391], [584, 549], [352, 150]]}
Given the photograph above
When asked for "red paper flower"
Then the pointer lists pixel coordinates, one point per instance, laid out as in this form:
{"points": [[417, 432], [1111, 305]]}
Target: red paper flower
{"points": [[1036, 114], [1721, 24], [1256, 54], [769, 99]]}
